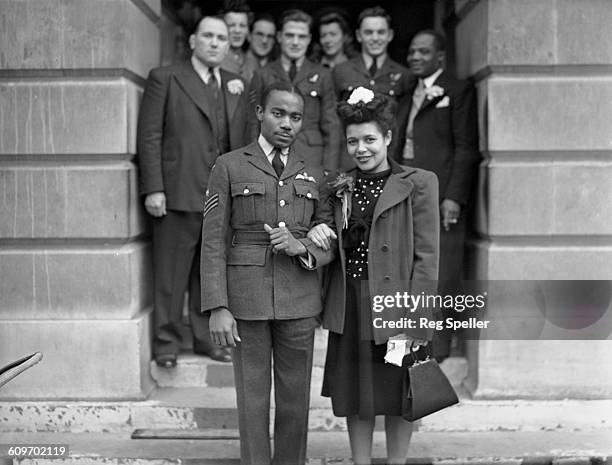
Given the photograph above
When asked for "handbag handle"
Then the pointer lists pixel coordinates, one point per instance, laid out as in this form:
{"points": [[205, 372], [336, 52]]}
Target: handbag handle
{"points": [[413, 357]]}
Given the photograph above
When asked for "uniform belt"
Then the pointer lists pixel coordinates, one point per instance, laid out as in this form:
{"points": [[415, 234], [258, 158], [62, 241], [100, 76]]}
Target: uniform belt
{"points": [[258, 237]]}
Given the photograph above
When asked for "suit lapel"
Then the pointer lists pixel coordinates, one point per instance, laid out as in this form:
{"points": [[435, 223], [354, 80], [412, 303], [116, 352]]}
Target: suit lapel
{"points": [[231, 100], [304, 71], [440, 82], [277, 69], [258, 159], [397, 188], [193, 86], [294, 165], [360, 67]]}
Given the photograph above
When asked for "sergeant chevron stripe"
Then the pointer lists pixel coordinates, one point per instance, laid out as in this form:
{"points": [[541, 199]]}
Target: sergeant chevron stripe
{"points": [[211, 203]]}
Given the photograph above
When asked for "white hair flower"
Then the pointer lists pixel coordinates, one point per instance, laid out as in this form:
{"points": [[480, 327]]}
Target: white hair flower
{"points": [[361, 94]]}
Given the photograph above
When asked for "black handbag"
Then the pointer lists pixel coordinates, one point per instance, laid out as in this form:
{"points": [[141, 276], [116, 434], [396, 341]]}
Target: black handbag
{"points": [[426, 388]]}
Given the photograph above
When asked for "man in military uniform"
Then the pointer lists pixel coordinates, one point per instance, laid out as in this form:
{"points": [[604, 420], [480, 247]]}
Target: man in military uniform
{"points": [[319, 140], [373, 69], [258, 281]]}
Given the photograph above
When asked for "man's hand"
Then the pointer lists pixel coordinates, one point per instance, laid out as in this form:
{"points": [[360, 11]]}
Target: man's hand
{"points": [[283, 241], [155, 204], [223, 328], [449, 212], [321, 235]]}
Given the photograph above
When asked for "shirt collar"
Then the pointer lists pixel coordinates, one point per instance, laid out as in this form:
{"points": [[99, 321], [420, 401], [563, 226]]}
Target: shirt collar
{"points": [[286, 62], [429, 80], [368, 60], [267, 147], [202, 70]]}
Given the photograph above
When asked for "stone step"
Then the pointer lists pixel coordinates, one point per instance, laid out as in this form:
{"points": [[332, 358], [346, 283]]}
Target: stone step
{"points": [[443, 448], [215, 408]]}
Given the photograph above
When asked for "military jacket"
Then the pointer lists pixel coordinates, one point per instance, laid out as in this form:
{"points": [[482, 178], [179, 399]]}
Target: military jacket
{"points": [[319, 140], [391, 79], [239, 271]]}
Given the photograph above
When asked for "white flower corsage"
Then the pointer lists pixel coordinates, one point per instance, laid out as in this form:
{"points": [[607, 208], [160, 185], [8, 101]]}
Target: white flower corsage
{"points": [[434, 92], [361, 94], [314, 78], [235, 87]]}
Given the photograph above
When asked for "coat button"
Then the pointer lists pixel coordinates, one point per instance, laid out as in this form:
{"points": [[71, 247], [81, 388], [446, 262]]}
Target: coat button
{"points": [[246, 190], [281, 183], [385, 248], [391, 92], [372, 82], [282, 203], [313, 93], [309, 195]]}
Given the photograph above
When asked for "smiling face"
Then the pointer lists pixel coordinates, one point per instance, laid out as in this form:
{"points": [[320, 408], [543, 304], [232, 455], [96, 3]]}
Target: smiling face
{"points": [[281, 117], [367, 145], [331, 38], [262, 37], [210, 42], [374, 35], [238, 25], [294, 39], [423, 57]]}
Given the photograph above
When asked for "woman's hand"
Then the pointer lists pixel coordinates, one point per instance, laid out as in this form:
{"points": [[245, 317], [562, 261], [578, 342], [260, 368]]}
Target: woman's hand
{"points": [[322, 235]]}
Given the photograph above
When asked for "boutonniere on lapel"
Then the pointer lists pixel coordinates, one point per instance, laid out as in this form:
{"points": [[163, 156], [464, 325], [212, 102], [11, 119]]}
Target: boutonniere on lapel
{"points": [[343, 187], [235, 87], [314, 78], [433, 92], [304, 176]]}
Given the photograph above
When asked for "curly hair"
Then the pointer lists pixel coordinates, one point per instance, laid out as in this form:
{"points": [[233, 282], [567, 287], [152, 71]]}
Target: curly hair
{"points": [[380, 110]]}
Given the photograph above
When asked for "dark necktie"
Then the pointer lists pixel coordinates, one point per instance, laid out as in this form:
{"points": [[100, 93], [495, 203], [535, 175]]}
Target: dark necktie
{"points": [[373, 68], [292, 70], [277, 163], [212, 83]]}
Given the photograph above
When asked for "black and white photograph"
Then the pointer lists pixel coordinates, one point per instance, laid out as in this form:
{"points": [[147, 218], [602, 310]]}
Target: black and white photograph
{"points": [[299, 232]]}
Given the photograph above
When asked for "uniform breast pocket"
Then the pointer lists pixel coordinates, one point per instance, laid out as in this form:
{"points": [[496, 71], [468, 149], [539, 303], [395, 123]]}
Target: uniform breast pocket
{"points": [[248, 202], [306, 197]]}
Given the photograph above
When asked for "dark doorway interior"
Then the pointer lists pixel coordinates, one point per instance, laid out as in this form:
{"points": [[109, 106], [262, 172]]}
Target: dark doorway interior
{"points": [[408, 16]]}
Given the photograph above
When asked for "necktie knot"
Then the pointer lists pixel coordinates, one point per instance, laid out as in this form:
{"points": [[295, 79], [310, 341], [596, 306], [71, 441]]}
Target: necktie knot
{"points": [[277, 163], [212, 79]]}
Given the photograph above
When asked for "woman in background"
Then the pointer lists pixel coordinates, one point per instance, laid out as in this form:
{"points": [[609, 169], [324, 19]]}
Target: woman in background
{"points": [[335, 43]]}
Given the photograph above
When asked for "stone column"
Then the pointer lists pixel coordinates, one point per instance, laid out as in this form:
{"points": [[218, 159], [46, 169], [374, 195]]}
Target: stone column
{"points": [[75, 271], [544, 75]]}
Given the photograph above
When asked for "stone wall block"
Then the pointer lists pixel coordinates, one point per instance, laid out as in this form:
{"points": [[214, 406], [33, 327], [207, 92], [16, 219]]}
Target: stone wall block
{"points": [[77, 201], [584, 34], [541, 260], [78, 34], [71, 283], [82, 359], [68, 117], [549, 113], [472, 34], [516, 26]]}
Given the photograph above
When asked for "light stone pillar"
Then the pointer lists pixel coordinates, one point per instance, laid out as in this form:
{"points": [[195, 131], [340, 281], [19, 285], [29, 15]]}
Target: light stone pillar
{"points": [[544, 76], [75, 272]]}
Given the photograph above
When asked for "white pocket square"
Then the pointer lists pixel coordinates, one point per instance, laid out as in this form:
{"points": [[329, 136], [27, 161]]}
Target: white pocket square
{"points": [[443, 103]]}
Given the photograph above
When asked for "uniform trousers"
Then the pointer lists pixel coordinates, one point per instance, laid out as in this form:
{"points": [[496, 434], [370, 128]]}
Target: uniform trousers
{"points": [[177, 238], [286, 347]]}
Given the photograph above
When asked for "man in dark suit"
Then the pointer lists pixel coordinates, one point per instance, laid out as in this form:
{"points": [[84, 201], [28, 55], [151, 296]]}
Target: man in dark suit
{"points": [[319, 140], [190, 114], [373, 69], [438, 131], [258, 281]]}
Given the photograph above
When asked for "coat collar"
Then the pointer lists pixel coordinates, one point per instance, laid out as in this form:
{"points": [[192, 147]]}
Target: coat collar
{"points": [[397, 188], [258, 159]]}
